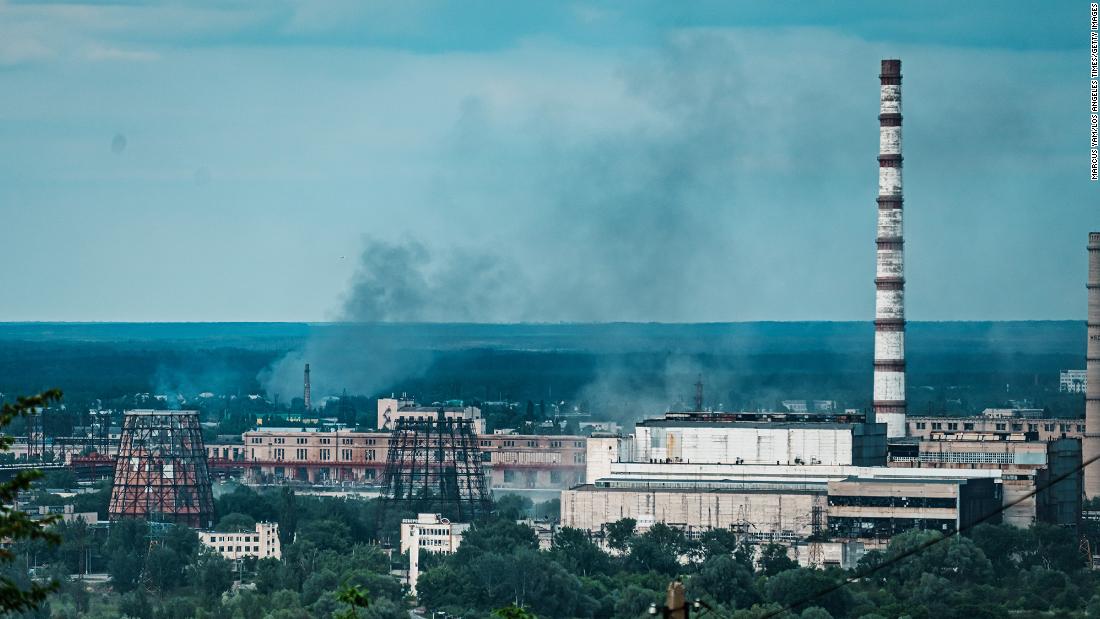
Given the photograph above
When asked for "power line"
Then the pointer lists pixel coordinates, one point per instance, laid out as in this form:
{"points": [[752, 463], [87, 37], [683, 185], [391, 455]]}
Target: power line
{"points": [[926, 545]]}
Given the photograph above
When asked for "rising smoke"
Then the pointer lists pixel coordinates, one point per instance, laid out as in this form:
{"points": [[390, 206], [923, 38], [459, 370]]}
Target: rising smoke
{"points": [[623, 223]]}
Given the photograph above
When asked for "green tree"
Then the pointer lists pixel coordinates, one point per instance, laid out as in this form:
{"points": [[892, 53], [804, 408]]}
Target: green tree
{"points": [[512, 611], [801, 588], [620, 532], [513, 507], [15, 525], [210, 574], [578, 554], [236, 522], [774, 560], [126, 547]]}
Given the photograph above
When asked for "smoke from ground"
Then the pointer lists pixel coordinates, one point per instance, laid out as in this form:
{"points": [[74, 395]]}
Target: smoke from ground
{"points": [[623, 223]]}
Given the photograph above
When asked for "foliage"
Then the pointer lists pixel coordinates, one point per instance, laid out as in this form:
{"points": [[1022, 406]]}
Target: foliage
{"points": [[16, 525]]}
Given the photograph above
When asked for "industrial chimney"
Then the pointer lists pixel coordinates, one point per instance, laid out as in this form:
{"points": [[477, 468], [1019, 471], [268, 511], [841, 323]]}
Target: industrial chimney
{"points": [[1090, 449], [305, 391], [889, 389]]}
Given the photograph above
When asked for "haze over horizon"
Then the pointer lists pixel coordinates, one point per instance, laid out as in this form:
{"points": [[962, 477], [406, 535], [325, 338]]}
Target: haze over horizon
{"points": [[642, 162]]}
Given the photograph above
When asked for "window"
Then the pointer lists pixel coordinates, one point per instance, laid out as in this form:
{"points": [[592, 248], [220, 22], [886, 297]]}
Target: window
{"points": [[370, 454], [347, 441], [370, 441], [1080, 428], [278, 454], [1049, 427], [346, 454], [483, 443], [509, 475], [280, 440], [326, 441], [578, 443], [555, 476], [555, 443], [301, 454], [952, 426], [326, 454], [532, 443], [968, 426], [937, 425], [1017, 427], [509, 443], [255, 440], [300, 441], [921, 425], [1001, 427], [1032, 427]]}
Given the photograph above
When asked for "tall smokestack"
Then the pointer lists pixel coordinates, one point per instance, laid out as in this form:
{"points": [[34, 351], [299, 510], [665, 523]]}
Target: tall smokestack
{"points": [[305, 394], [889, 391], [1091, 446]]}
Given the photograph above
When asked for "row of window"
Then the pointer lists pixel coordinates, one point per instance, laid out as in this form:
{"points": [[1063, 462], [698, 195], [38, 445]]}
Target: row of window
{"points": [[1001, 427]]}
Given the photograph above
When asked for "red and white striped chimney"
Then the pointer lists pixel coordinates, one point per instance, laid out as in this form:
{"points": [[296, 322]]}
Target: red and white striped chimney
{"points": [[889, 391]]}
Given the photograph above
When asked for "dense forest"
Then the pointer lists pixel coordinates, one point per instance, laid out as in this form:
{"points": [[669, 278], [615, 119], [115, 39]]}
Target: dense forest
{"points": [[331, 544], [618, 371]]}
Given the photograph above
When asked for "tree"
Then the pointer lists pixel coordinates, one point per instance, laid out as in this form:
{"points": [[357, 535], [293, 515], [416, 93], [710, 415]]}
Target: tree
{"points": [[774, 560], [576, 553], [513, 507], [355, 598], [800, 588], [211, 574], [236, 522], [15, 525], [727, 580], [125, 549], [512, 611], [620, 532]]}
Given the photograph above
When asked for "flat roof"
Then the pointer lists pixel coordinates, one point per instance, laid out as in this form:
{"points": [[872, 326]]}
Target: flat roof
{"points": [[769, 425]]}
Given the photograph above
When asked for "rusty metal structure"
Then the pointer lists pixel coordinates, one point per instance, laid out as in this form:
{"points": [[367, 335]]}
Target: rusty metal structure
{"points": [[889, 384], [1090, 448], [161, 472], [436, 461]]}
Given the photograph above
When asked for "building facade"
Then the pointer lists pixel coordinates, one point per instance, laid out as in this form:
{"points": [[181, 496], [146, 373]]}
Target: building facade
{"points": [[1072, 381], [262, 543], [516, 461], [428, 533]]}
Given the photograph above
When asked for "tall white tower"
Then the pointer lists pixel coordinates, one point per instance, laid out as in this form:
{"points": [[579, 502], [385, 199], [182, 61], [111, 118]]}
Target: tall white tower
{"points": [[889, 391]]}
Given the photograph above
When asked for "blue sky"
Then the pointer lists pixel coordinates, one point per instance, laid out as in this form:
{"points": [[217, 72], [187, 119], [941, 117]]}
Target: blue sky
{"points": [[504, 161]]}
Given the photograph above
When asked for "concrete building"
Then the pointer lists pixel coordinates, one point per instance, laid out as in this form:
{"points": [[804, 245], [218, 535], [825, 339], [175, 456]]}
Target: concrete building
{"points": [[262, 543], [742, 439], [391, 409], [428, 533], [878, 509], [1023, 428], [516, 461], [1072, 381]]}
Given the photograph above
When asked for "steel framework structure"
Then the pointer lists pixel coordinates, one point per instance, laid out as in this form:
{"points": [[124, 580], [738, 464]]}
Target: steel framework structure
{"points": [[161, 473], [439, 461]]}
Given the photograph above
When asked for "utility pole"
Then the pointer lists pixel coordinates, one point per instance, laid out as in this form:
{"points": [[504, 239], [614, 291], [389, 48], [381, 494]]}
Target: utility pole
{"points": [[676, 605]]}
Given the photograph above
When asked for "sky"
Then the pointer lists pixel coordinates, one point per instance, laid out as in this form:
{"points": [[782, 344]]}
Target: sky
{"points": [[536, 161]]}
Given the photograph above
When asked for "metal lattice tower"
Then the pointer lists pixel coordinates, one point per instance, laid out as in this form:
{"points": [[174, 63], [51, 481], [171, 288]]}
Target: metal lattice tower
{"points": [[436, 461], [161, 473]]}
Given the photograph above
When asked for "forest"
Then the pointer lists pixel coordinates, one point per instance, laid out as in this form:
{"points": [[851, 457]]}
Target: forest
{"points": [[331, 544]]}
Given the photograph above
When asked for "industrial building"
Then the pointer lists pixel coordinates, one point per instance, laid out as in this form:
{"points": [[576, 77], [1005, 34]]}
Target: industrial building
{"points": [[262, 543], [310, 455], [1072, 381], [428, 533], [789, 476], [391, 409], [1091, 447], [1025, 423]]}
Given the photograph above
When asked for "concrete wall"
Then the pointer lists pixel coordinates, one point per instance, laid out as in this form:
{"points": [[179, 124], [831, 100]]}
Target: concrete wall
{"points": [[749, 445]]}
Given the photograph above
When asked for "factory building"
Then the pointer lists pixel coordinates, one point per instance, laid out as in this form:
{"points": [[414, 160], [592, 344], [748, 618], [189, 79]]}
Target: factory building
{"points": [[391, 409], [308, 455], [878, 509], [742, 439], [1072, 381], [428, 533], [787, 476], [1027, 424], [262, 543]]}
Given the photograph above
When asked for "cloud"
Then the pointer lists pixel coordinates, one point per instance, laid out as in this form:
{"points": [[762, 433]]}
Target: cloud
{"points": [[102, 53]]}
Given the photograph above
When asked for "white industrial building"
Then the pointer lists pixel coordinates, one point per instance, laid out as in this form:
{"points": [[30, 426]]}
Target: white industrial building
{"points": [[1072, 381], [261, 543], [428, 533]]}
